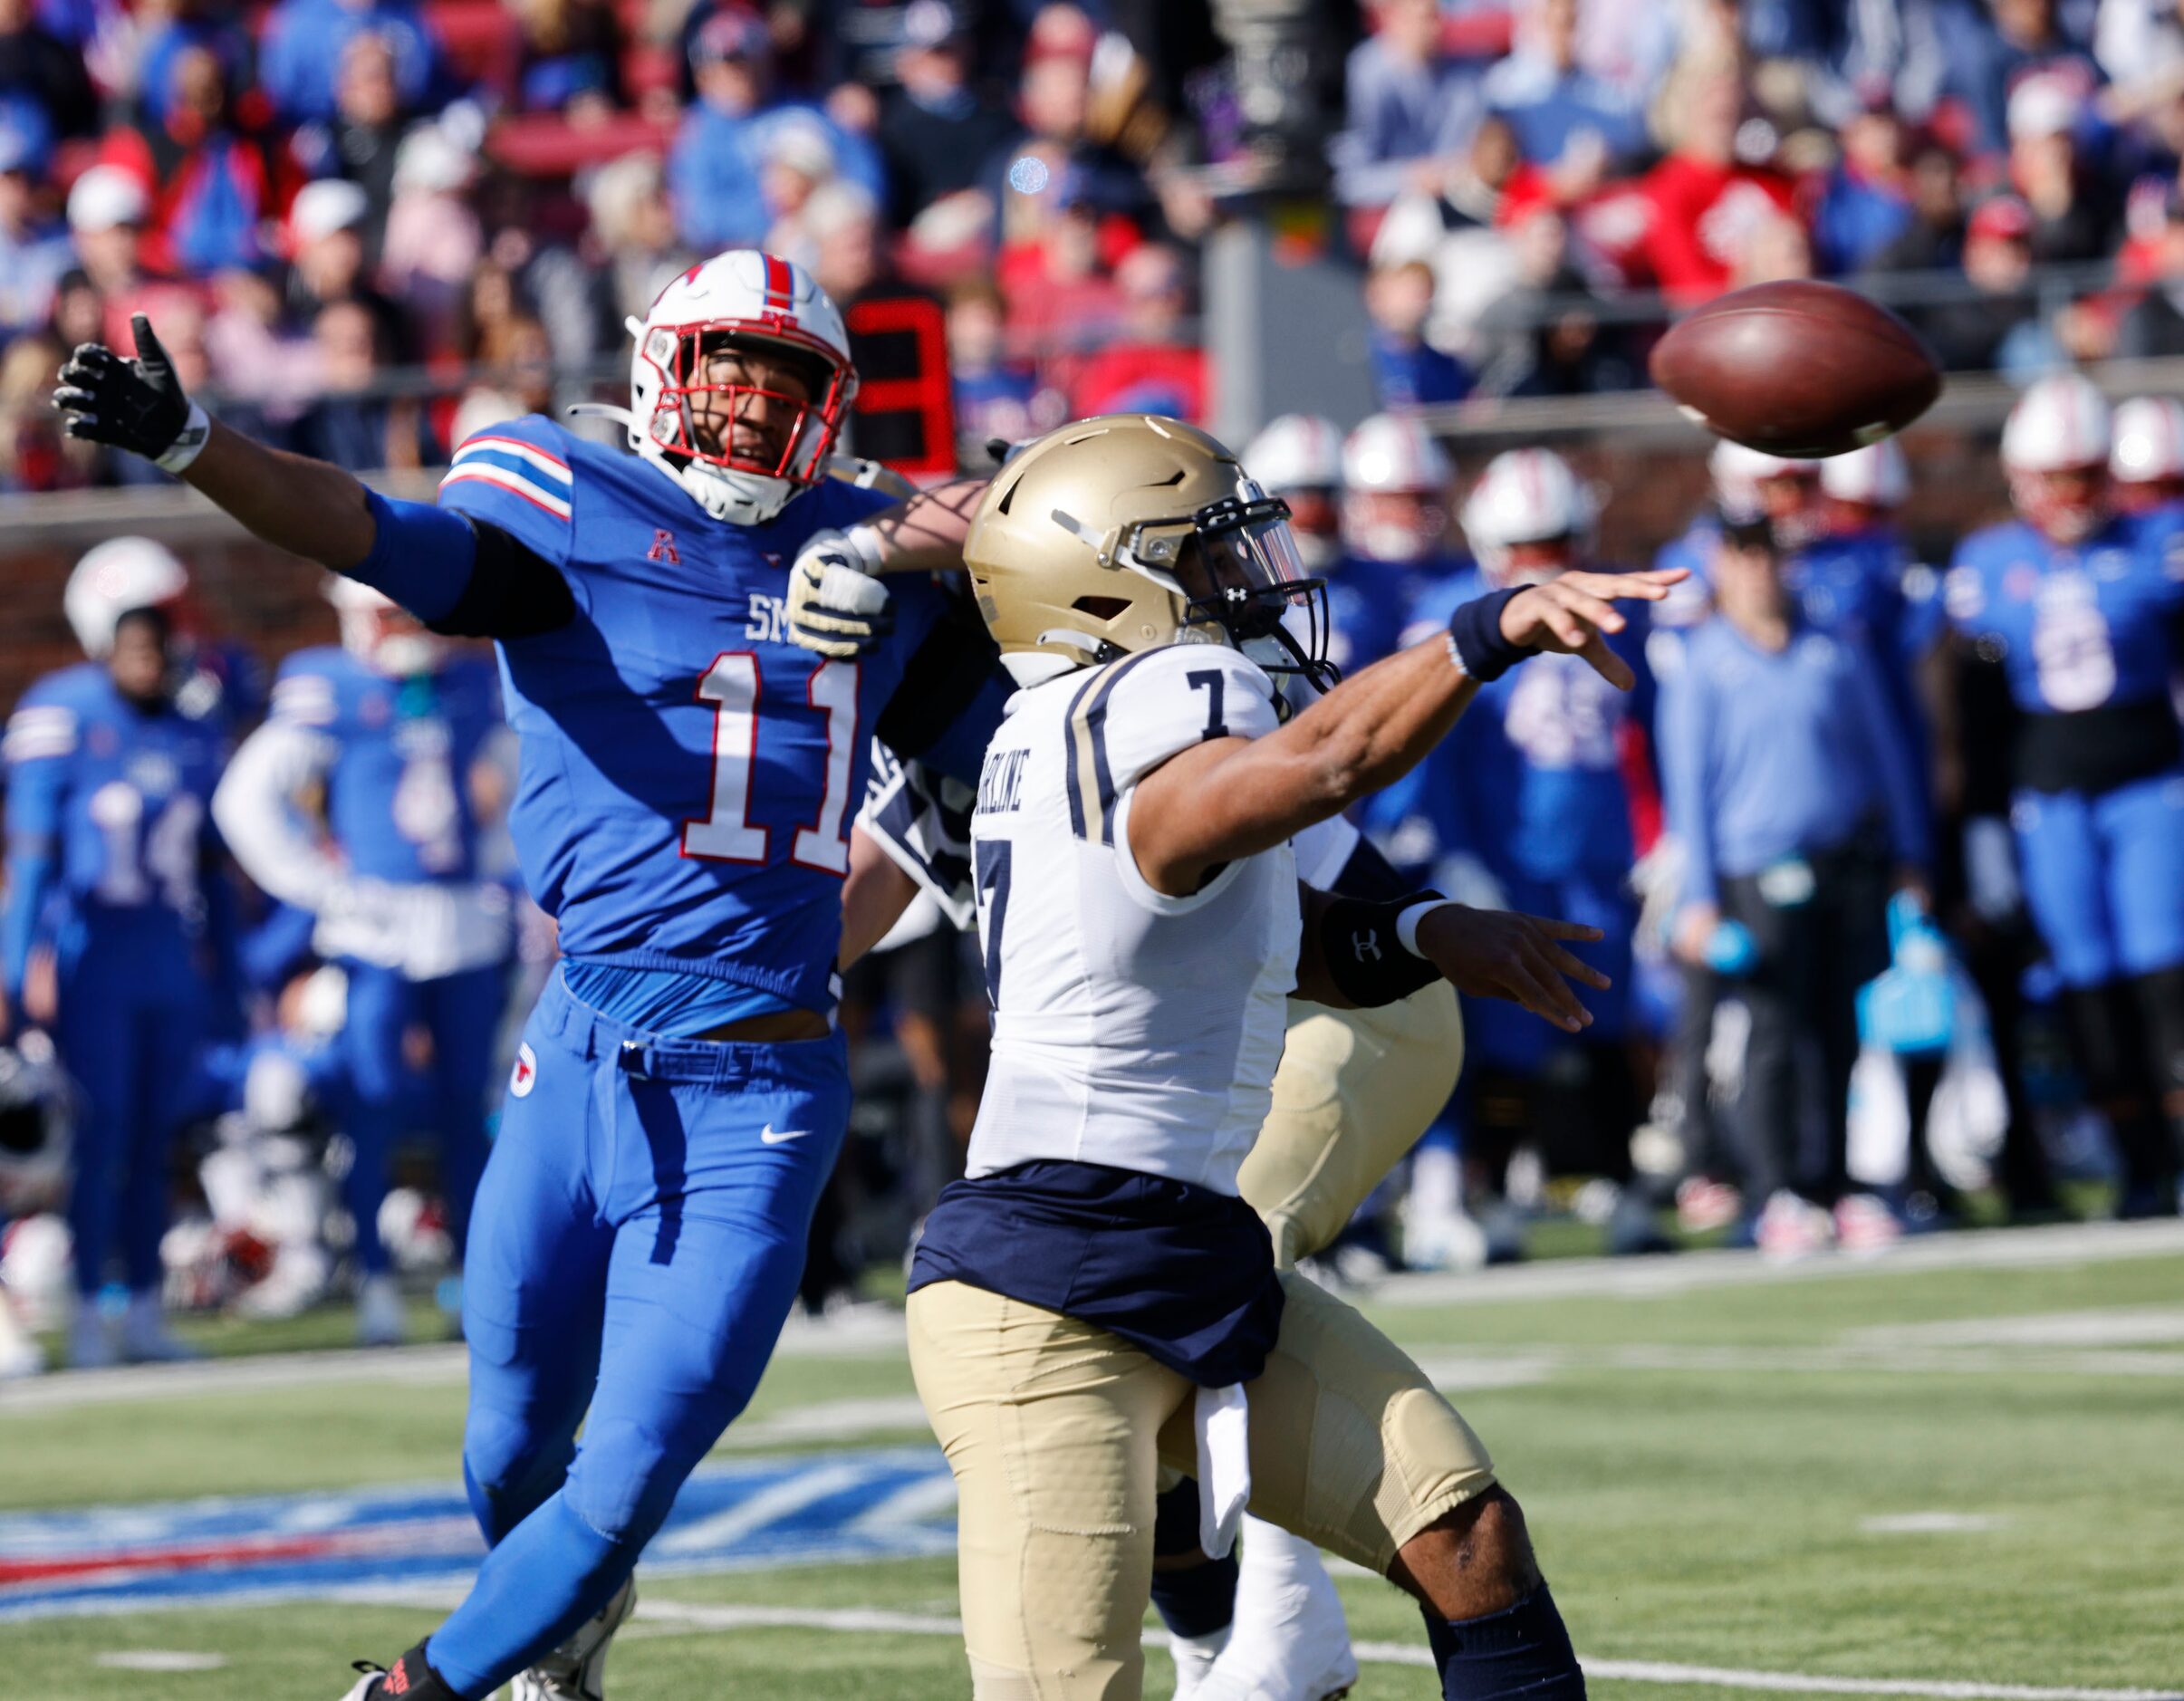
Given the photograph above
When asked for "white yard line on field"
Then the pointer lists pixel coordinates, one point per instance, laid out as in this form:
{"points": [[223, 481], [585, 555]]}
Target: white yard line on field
{"points": [[876, 1332], [2107, 1326], [869, 1332], [695, 1617], [1473, 1369], [1976, 1249]]}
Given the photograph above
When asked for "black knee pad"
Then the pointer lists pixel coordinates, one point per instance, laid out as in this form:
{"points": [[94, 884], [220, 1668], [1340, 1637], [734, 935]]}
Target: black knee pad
{"points": [[1175, 1522], [2161, 1009]]}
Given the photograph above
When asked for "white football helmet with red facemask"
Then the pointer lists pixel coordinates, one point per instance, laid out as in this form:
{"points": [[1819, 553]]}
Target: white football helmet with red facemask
{"points": [[1748, 481], [2054, 448], [1875, 476], [381, 633], [1528, 497], [1299, 459], [741, 299], [1396, 482], [119, 577]]}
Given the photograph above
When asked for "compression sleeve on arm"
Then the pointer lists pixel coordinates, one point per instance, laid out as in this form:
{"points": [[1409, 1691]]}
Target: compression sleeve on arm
{"points": [[254, 808], [462, 577], [1365, 957], [421, 555]]}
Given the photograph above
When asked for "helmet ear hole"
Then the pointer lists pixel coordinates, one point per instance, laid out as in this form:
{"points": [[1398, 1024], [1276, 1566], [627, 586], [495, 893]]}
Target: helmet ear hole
{"points": [[1101, 608]]}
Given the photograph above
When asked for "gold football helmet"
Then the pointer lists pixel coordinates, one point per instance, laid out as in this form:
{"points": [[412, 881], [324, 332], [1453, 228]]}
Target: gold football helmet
{"points": [[1128, 532]]}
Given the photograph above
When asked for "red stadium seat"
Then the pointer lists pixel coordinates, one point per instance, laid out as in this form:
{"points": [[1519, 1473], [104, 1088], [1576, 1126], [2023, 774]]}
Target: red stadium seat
{"points": [[481, 38], [547, 145]]}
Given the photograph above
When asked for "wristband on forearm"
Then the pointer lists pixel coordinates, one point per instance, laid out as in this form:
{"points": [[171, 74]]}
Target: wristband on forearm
{"points": [[866, 543], [1475, 641], [188, 444], [1372, 955]]}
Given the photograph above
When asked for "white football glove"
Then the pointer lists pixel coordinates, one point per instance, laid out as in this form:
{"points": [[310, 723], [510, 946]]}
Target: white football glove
{"points": [[836, 606]]}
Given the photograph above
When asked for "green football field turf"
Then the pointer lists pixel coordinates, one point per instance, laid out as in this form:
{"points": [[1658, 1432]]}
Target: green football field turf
{"points": [[1904, 1476]]}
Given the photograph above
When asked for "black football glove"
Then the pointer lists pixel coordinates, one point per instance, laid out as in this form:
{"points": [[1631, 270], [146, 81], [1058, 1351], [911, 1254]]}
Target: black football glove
{"points": [[135, 404]]}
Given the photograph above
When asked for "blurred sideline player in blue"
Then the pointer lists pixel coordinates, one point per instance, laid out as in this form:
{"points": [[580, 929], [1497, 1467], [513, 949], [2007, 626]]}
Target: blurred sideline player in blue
{"points": [[216, 680], [1529, 801], [2080, 608], [1746, 481], [114, 908], [1298, 456], [688, 780], [1791, 792], [386, 733], [1397, 485]]}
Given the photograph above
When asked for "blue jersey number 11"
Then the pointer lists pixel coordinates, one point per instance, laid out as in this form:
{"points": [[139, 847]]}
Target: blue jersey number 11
{"points": [[725, 834]]}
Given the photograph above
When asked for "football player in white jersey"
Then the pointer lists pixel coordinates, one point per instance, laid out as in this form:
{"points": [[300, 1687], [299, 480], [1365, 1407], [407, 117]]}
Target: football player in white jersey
{"points": [[1095, 1298]]}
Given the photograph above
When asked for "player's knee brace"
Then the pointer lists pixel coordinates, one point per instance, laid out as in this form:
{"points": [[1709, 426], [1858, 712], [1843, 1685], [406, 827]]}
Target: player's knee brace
{"points": [[1194, 1601]]}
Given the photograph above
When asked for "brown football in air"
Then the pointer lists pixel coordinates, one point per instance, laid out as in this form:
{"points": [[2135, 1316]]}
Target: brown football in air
{"points": [[1797, 369]]}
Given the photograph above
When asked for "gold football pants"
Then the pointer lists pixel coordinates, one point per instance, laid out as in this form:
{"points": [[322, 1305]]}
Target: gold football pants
{"points": [[1060, 1435], [1057, 1430], [1355, 1090]]}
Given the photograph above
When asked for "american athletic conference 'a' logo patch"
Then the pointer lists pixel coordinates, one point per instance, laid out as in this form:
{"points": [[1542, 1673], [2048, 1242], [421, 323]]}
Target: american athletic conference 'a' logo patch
{"points": [[525, 1075]]}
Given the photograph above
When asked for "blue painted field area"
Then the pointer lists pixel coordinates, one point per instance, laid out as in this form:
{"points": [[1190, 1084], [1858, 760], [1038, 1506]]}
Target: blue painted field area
{"points": [[887, 1504]]}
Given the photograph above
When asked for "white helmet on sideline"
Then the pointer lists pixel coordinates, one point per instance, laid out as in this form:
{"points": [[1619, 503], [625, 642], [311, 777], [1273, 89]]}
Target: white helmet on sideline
{"points": [[378, 630], [1738, 472], [116, 577], [1299, 458], [1875, 476], [742, 297], [1392, 456], [2055, 448], [1527, 496], [1297, 451], [2148, 442]]}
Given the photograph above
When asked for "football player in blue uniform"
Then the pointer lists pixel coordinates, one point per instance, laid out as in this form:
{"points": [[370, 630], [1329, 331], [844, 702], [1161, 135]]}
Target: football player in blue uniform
{"points": [[688, 780], [108, 933], [391, 730], [1746, 481], [216, 680], [1397, 483], [2080, 607], [1527, 803]]}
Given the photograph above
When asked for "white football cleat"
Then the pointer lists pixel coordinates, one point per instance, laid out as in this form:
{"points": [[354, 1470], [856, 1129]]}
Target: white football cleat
{"points": [[20, 1353], [145, 1337], [577, 1669], [1792, 1227], [381, 1319], [1864, 1224], [1290, 1641], [1194, 1657], [368, 1685]]}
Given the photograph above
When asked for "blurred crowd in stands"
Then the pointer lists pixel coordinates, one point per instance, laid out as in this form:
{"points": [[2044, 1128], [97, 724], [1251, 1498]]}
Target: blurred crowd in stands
{"points": [[313, 195], [366, 229]]}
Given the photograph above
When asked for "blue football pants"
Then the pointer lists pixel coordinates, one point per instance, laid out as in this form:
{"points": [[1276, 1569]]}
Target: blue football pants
{"points": [[462, 1013], [2105, 877], [131, 1020], [636, 1246]]}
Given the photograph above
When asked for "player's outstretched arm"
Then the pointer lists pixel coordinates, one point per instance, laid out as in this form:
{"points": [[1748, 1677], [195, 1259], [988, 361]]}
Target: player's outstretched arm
{"points": [[306, 507], [1234, 797], [1357, 954], [469, 580]]}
